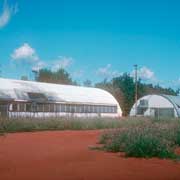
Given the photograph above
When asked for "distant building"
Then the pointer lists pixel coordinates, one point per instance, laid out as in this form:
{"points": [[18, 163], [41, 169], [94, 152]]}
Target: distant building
{"points": [[157, 106], [33, 99]]}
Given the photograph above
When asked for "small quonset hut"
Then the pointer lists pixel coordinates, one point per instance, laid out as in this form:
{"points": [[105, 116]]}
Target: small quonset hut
{"points": [[157, 106], [33, 99]]}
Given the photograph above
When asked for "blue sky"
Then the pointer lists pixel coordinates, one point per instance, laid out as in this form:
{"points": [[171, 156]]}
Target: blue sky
{"points": [[92, 39]]}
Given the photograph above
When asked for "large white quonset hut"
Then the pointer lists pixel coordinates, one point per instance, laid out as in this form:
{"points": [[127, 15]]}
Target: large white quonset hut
{"points": [[34, 99], [157, 106]]}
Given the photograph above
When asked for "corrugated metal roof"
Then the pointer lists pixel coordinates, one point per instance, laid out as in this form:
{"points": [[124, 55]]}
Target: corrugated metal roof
{"points": [[174, 99], [18, 90]]}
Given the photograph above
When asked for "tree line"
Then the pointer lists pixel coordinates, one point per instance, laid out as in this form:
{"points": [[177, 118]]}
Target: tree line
{"points": [[122, 87]]}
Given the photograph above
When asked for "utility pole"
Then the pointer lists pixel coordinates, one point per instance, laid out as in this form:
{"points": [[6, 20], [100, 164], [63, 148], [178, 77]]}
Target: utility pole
{"points": [[0, 71], [136, 87], [35, 72]]}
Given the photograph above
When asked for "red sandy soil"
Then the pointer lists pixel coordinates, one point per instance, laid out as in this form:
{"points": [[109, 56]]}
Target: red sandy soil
{"points": [[65, 155]]}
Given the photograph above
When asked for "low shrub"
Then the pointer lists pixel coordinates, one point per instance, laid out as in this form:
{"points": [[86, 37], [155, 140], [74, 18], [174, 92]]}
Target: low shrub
{"points": [[149, 146], [147, 139], [178, 138]]}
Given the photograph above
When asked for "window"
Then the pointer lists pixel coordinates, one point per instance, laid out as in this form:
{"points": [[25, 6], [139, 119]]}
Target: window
{"points": [[15, 107], [21, 107], [103, 109], [67, 108], [28, 107], [82, 109], [108, 109], [52, 108], [46, 107], [78, 108], [58, 108], [40, 108], [86, 108], [10, 107], [91, 109], [143, 103], [72, 108], [37, 96], [112, 109], [63, 108], [34, 107], [115, 109]]}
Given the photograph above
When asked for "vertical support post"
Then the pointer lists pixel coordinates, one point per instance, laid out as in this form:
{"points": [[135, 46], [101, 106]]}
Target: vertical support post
{"points": [[36, 73], [136, 88], [43, 114]]}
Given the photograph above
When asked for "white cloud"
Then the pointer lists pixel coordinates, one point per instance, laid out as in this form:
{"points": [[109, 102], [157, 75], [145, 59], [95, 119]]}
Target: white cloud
{"points": [[78, 74], [178, 81], [25, 52], [107, 72], [7, 13], [25, 55], [62, 62], [145, 74], [174, 83], [104, 70]]}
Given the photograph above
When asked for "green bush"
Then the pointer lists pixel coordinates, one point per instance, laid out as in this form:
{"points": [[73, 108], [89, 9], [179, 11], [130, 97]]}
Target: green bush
{"points": [[149, 146], [147, 139], [177, 137]]}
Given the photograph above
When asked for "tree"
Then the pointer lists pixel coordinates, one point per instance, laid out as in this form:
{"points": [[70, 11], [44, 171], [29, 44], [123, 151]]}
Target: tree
{"points": [[123, 89], [60, 76], [178, 91], [157, 89], [126, 84], [87, 83], [24, 78]]}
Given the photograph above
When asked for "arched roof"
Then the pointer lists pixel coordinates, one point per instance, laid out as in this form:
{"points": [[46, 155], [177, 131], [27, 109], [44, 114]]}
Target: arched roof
{"points": [[174, 100], [18, 90]]}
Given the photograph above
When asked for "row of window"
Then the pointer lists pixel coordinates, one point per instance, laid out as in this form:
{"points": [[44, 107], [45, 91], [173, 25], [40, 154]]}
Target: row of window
{"points": [[69, 108]]}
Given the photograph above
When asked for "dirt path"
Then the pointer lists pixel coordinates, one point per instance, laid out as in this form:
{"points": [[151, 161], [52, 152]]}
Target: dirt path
{"points": [[64, 155]]}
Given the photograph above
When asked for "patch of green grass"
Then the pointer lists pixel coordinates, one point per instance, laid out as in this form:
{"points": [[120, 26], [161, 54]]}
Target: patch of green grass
{"points": [[40, 124]]}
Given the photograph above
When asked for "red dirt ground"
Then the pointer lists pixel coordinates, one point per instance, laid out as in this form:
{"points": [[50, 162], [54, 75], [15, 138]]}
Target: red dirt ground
{"points": [[65, 155]]}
